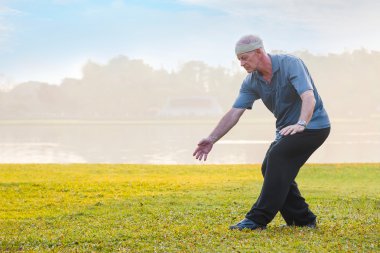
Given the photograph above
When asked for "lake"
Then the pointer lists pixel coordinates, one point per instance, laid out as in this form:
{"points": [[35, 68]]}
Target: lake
{"points": [[170, 142]]}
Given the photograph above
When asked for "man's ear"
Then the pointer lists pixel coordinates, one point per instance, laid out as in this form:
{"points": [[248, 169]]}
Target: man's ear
{"points": [[258, 51]]}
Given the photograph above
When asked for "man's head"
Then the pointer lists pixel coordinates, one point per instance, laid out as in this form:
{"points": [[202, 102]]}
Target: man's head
{"points": [[249, 50], [248, 43]]}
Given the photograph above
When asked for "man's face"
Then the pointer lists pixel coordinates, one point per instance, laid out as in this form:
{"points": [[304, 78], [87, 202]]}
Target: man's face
{"points": [[249, 61]]}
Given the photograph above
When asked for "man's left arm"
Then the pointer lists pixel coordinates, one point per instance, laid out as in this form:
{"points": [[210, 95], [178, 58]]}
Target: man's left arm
{"points": [[308, 103]]}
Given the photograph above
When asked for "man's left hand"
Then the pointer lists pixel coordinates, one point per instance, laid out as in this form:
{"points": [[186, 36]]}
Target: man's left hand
{"points": [[292, 129]]}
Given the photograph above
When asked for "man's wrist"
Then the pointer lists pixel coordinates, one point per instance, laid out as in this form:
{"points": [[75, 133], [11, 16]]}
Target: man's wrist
{"points": [[212, 138], [302, 123]]}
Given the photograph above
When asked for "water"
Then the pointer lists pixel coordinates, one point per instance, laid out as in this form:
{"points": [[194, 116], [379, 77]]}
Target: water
{"points": [[171, 142]]}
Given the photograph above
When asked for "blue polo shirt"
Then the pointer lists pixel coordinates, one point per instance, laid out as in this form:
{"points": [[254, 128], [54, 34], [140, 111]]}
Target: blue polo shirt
{"points": [[290, 78]]}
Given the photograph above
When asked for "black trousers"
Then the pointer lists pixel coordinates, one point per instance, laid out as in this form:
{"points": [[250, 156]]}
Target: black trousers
{"points": [[280, 167]]}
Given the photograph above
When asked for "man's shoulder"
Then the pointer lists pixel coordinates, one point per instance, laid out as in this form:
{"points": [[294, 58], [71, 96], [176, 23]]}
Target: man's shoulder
{"points": [[250, 81], [286, 57], [287, 62], [250, 77]]}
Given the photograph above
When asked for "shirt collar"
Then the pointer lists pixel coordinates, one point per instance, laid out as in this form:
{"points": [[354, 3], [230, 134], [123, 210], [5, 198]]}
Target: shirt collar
{"points": [[275, 63], [275, 67]]}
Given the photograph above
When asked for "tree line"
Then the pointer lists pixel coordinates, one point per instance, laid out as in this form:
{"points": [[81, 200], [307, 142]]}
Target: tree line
{"points": [[127, 88]]}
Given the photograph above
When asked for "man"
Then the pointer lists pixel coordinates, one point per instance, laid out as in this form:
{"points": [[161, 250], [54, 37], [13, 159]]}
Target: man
{"points": [[286, 88]]}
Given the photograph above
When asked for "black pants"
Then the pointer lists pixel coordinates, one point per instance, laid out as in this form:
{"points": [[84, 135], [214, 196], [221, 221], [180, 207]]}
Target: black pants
{"points": [[281, 164]]}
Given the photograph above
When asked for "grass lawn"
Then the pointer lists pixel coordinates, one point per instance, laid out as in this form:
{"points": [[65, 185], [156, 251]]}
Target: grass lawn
{"points": [[160, 208]]}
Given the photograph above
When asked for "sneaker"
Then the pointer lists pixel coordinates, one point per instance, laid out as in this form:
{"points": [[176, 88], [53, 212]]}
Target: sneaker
{"points": [[247, 224]]}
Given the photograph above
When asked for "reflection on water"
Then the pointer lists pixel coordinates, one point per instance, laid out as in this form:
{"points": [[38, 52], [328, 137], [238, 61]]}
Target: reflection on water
{"points": [[37, 153], [169, 142]]}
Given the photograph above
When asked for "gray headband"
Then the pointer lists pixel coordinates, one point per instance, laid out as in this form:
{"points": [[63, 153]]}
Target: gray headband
{"points": [[247, 46]]}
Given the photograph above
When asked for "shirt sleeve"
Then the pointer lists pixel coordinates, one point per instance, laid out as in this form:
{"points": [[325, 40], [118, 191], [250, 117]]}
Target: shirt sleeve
{"points": [[247, 95], [299, 76]]}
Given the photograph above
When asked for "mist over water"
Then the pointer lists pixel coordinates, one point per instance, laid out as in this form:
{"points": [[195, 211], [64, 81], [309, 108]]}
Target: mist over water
{"points": [[127, 112], [170, 143]]}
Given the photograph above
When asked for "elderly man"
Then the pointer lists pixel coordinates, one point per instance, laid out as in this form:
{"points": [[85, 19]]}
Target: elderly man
{"points": [[286, 88]]}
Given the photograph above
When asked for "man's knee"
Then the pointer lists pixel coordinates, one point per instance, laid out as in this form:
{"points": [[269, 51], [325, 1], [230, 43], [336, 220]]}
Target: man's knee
{"points": [[275, 155]]}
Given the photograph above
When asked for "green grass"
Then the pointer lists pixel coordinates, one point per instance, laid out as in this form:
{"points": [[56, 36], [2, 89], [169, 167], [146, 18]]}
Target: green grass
{"points": [[147, 208]]}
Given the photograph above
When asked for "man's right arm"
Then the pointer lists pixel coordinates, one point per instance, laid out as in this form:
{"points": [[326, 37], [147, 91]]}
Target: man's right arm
{"points": [[228, 121]]}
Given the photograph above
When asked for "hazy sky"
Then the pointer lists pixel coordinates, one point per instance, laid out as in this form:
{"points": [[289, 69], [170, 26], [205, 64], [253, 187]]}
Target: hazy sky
{"points": [[47, 40]]}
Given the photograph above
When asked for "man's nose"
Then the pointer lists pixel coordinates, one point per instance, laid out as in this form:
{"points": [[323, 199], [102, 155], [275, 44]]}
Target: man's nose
{"points": [[242, 63]]}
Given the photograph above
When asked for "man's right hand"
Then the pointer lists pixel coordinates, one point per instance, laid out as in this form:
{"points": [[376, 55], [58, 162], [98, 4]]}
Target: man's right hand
{"points": [[225, 124], [204, 147]]}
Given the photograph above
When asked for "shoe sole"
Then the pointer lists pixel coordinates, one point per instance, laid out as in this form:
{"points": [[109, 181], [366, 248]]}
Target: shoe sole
{"points": [[240, 229]]}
